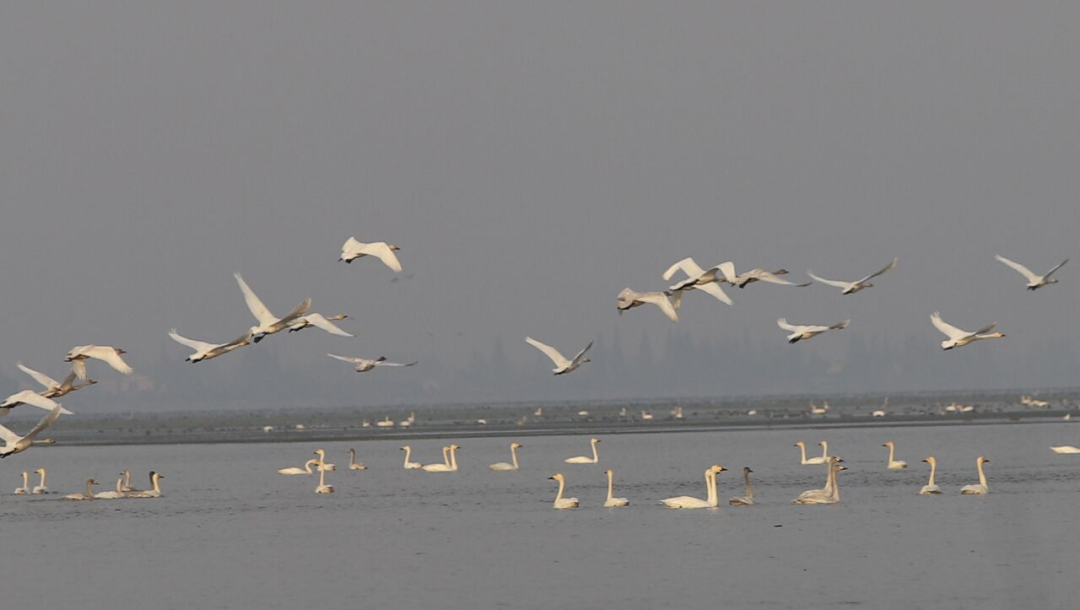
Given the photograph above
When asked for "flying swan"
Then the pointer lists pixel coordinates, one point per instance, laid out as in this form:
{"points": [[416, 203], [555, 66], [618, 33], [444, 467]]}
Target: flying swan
{"points": [[268, 322], [320, 321], [107, 354], [960, 338], [381, 250], [562, 365], [362, 365], [668, 302], [801, 333], [1035, 282], [13, 443], [857, 285], [208, 351]]}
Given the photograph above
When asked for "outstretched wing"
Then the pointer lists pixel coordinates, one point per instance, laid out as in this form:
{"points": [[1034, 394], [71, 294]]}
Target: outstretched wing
{"points": [[350, 247], [383, 252], [1024, 271], [985, 329], [29, 397], [582, 352], [772, 278], [44, 423], [320, 321], [714, 289], [41, 378], [687, 266], [1059, 266], [841, 325], [836, 283], [110, 357], [949, 330], [783, 323], [8, 436], [344, 359], [261, 313], [300, 310], [385, 363], [883, 270], [660, 300], [199, 346], [549, 351]]}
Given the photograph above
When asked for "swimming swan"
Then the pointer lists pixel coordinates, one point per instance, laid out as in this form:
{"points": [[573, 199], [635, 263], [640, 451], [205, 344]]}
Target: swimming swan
{"points": [[291, 471], [981, 489], [408, 464], [1065, 449], [25, 489], [41, 489], [857, 285], [613, 502], [89, 495], [323, 488], [513, 457], [748, 499], [444, 467], [268, 323], [127, 482], [830, 494], [930, 488], [450, 465], [154, 492], [581, 459], [13, 443], [960, 338], [1035, 282], [353, 465], [562, 365], [322, 461], [710, 488], [804, 332], [562, 503], [353, 249], [816, 460], [894, 464], [113, 495]]}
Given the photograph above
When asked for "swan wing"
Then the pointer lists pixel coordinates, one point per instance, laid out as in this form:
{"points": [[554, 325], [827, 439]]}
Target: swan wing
{"points": [[44, 423], [79, 368], [198, 346], [772, 278], [32, 398], [549, 351], [344, 359], [840, 326], [1024, 271], [985, 329], [949, 330], [385, 363], [320, 321], [261, 313], [8, 436], [879, 272], [727, 268], [582, 352], [300, 310], [687, 266], [351, 248], [660, 300], [783, 323], [41, 378], [836, 283], [1059, 266], [110, 357], [383, 252], [714, 289]]}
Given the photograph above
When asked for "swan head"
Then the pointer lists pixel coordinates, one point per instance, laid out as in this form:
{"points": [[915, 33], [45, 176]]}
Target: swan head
{"points": [[40, 471], [887, 444], [92, 482], [557, 477], [393, 247], [594, 440], [339, 316], [800, 444], [746, 470], [45, 441], [584, 360], [90, 382], [609, 472], [516, 445], [982, 460], [405, 448], [930, 460]]}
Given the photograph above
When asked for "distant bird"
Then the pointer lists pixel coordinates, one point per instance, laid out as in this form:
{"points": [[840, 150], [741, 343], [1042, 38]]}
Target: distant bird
{"points": [[13, 443], [54, 388], [1035, 282], [381, 250], [89, 495], [668, 302], [353, 464], [25, 489], [208, 351], [364, 364], [691, 502], [153, 492], [960, 338], [857, 285], [320, 321], [1065, 449], [32, 398], [705, 280], [268, 322], [107, 354], [756, 275], [801, 333], [562, 365]]}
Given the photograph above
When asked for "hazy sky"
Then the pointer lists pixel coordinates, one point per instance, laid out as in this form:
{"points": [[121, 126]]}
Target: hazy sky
{"points": [[531, 159]]}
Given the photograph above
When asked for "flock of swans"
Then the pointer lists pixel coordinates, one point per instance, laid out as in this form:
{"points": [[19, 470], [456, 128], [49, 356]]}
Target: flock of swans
{"points": [[123, 488]]}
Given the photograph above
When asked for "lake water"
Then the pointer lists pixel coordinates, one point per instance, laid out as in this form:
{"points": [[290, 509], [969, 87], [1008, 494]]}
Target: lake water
{"points": [[231, 533]]}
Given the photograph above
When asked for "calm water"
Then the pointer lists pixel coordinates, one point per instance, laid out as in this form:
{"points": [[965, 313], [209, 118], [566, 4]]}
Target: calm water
{"points": [[231, 533]]}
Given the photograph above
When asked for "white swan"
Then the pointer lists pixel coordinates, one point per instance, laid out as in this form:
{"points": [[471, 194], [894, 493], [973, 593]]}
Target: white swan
{"points": [[1065, 449], [801, 333], [981, 489], [960, 338], [562, 503], [54, 388], [294, 470], [353, 464], [1035, 282], [362, 365], [323, 488], [513, 457], [816, 460], [830, 494], [208, 351], [409, 465], [562, 365], [582, 459], [710, 488], [322, 322], [748, 499], [13, 443], [756, 275], [930, 488], [705, 280], [444, 467], [113, 495], [450, 466], [668, 302], [894, 464], [107, 354], [89, 495], [32, 398], [322, 461], [857, 285], [42, 488], [153, 492], [25, 489], [268, 323], [381, 250], [612, 502]]}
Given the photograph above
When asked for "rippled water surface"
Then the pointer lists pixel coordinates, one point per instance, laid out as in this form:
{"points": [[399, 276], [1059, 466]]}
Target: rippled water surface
{"points": [[231, 533]]}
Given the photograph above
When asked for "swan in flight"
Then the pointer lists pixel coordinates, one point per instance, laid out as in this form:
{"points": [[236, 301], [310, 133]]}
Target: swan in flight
{"points": [[513, 458], [208, 351], [668, 302], [323, 488], [562, 365], [25, 489], [801, 333], [894, 464], [748, 499], [409, 465], [54, 388], [1035, 282], [857, 285], [89, 495], [268, 323], [353, 464], [960, 338], [291, 471], [930, 488], [41, 489], [1065, 449], [981, 489], [756, 275], [705, 280], [710, 490], [582, 459], [107, 354], [830, 494], [318, 320], [113, 495], [612, 502], [153, 492], [32, 398], [381, 250], [561, 502], [13, 443], [362, 365], [815, 460]]}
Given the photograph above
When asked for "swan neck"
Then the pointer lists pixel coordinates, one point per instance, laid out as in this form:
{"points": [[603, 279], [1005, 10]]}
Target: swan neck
{"points": [[513, 456], [120, 485], [832, 481], [982, 475], [825, 450], [322, 476], [933, 469], [43, 477], [89, 491], [710, 485], [127, 478], [453, 459], [408, 454], [610, 484], [749, 489], [891, 454], [595, 455], [558, 496], [802, 450], [154, 480], [352, 458], [25, 479]]}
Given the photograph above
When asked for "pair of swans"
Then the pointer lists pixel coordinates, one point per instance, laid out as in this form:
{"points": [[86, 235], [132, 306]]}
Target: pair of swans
{"points": [[562, 503], [980, 489], [513, 457], [449, 461], [319, 463], [562, 365], [960, 338], [689, 502], [584, 459], [44, 398], [815, 460], [353, 249], [831, 492], [709, 280], [894, 464]]}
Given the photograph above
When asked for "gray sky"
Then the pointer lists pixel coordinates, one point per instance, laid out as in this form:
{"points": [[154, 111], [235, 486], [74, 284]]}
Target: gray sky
{"points": [[532, 159]]}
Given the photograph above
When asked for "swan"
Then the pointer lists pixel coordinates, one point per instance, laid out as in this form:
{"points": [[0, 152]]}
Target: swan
{"points": [[268, 322], [89, 495], [960, 338], [381, 250], [513, 458], [1035, 282], [710, 488], [13, 443], [816, 460], [54, 388], [41, 489], [748, 499], [668, 302], [323, 488], [289, 471], [801, 333], [444, 467], [581, 459], [207, 351], [894, 464], [113, 495], [353, 465], [561, 502], [981, 489], [930, 488], [613, 502], [562, 365], [322, 461], [755, 275], [107, 354], [32, 398], [319, 321], [410, 465], [1065, 449], [25, 489], [363, 365], [830, 494], [857, 285], [705, 280], [450, 465], [153, 492]]}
